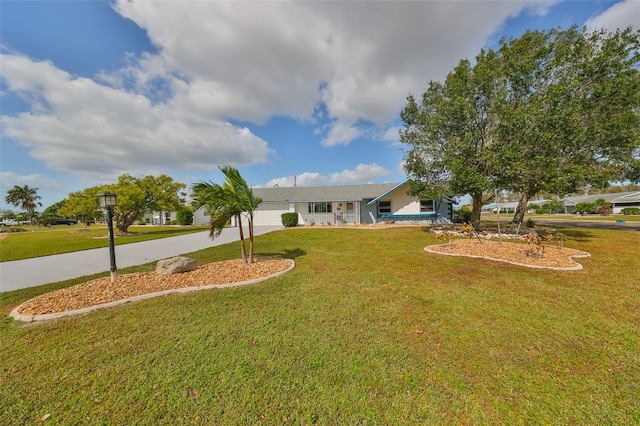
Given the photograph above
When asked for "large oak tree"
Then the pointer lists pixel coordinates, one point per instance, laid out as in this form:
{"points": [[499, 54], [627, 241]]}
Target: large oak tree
{"points": [[550, 111]]}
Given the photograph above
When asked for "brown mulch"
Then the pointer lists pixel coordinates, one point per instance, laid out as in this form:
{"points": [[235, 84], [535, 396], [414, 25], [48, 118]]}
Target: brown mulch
{"points": [[552, 257], [102, 290]]}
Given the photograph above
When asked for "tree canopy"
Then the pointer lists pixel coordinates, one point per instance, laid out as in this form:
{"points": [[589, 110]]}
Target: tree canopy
{"points": [[25, 198], [551, 111], [135, 196]]}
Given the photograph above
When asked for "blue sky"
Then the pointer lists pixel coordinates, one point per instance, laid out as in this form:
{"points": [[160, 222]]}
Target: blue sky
{"points": [[309, 91]]}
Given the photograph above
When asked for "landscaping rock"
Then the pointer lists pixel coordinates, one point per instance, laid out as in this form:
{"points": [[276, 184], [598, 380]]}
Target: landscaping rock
{"points": [[176, 265]]}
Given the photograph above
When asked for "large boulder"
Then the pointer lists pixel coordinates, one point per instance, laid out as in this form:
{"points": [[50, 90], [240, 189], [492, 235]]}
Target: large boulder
{"points": [[176, 265]]}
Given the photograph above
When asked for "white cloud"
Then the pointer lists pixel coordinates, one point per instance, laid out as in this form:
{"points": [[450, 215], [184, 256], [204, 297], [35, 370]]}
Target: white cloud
{"points": [[304, 179], [391, 134], [362, 173], [80, 126], [618, 16], [244, 61], [35, 180], [255, 60], [341, 133]]}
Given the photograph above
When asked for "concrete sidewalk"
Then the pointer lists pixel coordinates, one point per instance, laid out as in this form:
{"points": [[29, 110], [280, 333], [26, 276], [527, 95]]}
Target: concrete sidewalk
{"points": [[25, 273]]}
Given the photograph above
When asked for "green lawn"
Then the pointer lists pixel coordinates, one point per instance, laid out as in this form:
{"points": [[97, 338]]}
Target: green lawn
{"points": [[39, 241], [335, 342]]}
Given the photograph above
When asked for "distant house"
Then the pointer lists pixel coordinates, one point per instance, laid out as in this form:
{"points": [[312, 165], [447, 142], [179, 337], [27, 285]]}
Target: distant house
{"points": [[344, 204], [159, 218], [618, 200]]}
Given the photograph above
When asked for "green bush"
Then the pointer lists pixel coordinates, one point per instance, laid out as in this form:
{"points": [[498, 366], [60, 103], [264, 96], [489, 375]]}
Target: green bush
{"points": [[530, 223], [462, 215], [631, 211], [585, 208], [184, 217], [289, 219]]}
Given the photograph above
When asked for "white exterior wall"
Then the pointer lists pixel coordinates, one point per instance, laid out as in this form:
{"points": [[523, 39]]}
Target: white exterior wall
{"points": [[402, 203], [200, 217], [270, 213]]}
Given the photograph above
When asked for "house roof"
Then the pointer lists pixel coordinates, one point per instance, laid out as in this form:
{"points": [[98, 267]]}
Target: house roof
{"points": [[614, 197], [314, 194], [387, 192]]}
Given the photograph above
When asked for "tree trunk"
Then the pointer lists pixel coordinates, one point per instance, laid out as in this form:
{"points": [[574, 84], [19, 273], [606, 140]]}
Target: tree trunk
{"points": [[476, 209], [243, 250], [518, 217], [251, 239]]}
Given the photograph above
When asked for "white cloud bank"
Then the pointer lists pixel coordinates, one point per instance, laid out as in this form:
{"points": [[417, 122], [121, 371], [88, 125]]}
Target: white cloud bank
{"points": [[620, 15], [78, 125], [363, 173], [245, 61]]}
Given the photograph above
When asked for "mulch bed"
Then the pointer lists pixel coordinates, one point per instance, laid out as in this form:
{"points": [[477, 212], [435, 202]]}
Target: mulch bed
{"points": [[545, 256], [102, 290]]}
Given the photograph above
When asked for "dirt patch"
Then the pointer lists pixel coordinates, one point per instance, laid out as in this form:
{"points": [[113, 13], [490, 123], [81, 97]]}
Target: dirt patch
{"points": [[102, 290], [546, 256]]}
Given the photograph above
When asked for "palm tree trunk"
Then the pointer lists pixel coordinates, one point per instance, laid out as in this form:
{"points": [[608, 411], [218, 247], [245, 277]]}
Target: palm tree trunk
{"points": [[243, 250], [250, 239]]}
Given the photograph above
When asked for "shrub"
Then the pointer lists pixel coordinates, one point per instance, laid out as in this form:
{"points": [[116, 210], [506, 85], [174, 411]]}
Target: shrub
{"points": [[462, 215], [584, 208], [530, 223], [605, 211], [289, 219], [467, 229], [630, 211], [184, 217]]}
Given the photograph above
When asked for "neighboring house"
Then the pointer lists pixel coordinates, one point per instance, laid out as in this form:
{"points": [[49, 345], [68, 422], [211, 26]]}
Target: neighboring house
{"points": [[510, 207], [158, 218], [344, 204], [618, 200]]}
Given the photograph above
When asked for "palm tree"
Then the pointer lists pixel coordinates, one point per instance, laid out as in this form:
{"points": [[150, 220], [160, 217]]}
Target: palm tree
{"points": [[232, 199], [26, 198]]}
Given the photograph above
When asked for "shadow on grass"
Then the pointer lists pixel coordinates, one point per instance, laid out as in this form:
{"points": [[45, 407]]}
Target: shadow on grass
{"points": [[577, 234], [286, 254]]}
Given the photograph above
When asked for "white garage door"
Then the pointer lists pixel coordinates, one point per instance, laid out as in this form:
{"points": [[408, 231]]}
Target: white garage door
{"points": [[270, 214]]}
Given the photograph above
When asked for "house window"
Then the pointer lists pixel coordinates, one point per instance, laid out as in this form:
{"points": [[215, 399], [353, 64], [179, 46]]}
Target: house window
{"points": [[349, 208], [167, 216], [384, 207], [320, 207], [426, 206]]}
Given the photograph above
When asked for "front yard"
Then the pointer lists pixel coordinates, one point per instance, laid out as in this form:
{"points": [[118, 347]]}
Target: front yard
{"points": [[368, 329]]}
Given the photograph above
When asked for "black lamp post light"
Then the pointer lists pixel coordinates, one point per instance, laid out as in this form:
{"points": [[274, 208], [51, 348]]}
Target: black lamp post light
{"points": [[108, 201]]}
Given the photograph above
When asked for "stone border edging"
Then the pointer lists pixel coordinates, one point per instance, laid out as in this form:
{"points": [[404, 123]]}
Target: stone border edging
{"points": [[45, 317], [555, 268]]}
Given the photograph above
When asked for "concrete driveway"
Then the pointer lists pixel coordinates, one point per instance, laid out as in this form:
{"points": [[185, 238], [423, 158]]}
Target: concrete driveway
{"points": [[25, 273]]}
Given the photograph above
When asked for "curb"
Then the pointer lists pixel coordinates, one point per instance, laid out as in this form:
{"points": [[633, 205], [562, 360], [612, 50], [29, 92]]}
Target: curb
{"points": [[46, 317]]}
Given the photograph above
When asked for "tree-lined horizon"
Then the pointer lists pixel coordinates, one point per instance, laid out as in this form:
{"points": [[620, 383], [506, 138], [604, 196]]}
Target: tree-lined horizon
{"points": [[552, 111]]}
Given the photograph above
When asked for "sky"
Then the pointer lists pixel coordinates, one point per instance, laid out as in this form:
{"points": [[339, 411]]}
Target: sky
{"points": [[304, 92]]}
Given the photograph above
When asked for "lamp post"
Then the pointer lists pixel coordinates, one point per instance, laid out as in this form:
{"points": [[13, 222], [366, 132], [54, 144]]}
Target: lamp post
{"points": [[108, 201]]}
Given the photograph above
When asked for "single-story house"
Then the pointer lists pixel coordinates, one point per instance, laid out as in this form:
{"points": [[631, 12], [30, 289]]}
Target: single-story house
{"points": [[159, 218], [344, 204], [510, 207], [618, 200]]}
